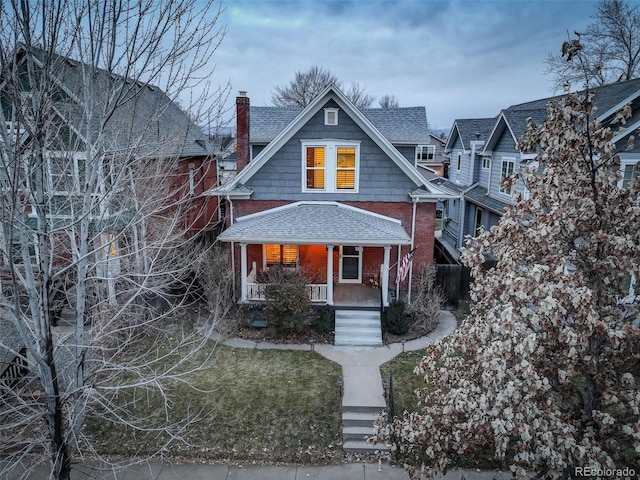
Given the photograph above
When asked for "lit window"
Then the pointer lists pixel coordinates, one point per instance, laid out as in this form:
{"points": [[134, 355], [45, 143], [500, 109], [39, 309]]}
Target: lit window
{"points": [[315, 167], [425, 153], [505, 172], [331, 116], [286, 255], [330, 166], [346, 168]]}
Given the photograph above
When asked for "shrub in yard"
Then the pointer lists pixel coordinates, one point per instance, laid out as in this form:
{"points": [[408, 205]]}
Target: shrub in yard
{"points": [[288, 306], [397, 321], [326, 320], [426, 301]]}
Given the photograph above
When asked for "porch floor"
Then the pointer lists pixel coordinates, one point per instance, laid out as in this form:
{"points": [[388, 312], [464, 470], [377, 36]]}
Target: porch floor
{"points": [[356, 296]]}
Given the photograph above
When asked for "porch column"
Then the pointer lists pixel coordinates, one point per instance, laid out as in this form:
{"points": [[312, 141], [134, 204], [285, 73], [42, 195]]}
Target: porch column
{"points": [[384, 280], [329, 274], [243, 272]]}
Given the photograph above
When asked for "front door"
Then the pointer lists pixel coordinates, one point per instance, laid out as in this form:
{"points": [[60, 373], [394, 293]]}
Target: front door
{"points": [[350, 264]]}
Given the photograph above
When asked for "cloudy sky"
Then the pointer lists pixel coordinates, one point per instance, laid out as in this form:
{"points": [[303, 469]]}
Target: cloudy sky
{"points": [[459, 58]]}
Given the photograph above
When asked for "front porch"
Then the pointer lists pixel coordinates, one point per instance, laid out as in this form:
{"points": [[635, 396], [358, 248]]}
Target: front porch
{"points": [[343, 295], [336, 245]]}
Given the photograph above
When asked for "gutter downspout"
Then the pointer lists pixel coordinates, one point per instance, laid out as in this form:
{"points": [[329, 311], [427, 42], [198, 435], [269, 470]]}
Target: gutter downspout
{"points": [[233, 251]]}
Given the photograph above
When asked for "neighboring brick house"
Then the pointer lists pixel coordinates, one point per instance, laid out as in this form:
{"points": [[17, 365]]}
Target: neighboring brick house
{"points": [[430, 159], [331, 188], [146, 124], [484, 151]]}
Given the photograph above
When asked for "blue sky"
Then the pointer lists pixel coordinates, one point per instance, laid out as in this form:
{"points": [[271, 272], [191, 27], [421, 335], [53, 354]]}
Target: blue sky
{"points": [[459, 58]]}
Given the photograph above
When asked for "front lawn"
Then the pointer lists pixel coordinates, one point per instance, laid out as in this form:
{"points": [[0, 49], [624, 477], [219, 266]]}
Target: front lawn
{"points": [[262, 406]]}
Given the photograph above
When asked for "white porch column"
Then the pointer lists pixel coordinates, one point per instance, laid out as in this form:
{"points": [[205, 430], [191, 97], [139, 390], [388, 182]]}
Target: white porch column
{"points": [[384, 280], [243, 272], [329, 274]]}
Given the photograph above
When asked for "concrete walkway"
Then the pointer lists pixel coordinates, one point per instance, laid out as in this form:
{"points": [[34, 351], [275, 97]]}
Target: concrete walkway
{"points": [[362, 386], [360, 365]]}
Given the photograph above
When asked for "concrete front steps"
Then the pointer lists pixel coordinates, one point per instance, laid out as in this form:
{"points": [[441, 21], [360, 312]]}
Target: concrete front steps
{"points": [[357, 426], [358, 328]]}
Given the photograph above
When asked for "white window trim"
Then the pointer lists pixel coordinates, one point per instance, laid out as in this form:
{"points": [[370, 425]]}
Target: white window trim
{"points": [[486, 162], [264, 254], [74, 157], [501, 190], [327, 116], [330, 167], [192, 178], [430, 149], [459, 162]]}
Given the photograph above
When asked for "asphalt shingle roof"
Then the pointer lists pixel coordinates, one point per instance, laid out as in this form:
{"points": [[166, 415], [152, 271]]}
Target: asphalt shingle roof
{"points": [[478, 195], [398, 125], [472, 129], [145, 118], [317, 223]]}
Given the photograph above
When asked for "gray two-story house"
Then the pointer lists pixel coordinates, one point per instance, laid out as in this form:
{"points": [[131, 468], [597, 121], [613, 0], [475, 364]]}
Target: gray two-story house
{"points": [[483, 152]]}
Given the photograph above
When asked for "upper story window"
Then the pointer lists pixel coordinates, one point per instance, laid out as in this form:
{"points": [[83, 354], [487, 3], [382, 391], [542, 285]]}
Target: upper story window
{"points": [[506, 171], [629, 172], [425, 153], [330, 166], [486, 163], [459, 162], [65, 171], [331, 116]]}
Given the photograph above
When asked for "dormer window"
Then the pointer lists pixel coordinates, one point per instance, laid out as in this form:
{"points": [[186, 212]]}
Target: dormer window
{"points": [[331, 116]]}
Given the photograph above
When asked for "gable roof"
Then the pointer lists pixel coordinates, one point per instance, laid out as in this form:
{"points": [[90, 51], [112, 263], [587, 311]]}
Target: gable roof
{"points": [[468, 130], [406, 125], [317, 222], [331, 92], [608, 100], [144, 118]]}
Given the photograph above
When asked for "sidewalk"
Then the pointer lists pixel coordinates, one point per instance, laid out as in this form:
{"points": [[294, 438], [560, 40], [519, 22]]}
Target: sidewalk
{"points": [[350, 471]]}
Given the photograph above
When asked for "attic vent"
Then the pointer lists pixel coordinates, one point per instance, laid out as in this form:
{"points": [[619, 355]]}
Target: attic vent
{"points": [[331, 116]]}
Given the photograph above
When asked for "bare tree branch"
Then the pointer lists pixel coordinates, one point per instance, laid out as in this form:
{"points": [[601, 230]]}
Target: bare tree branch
{"points": [[96, 217]]}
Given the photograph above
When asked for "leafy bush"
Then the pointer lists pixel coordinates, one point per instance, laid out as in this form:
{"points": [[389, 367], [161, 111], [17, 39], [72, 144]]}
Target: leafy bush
{"points": [[426, 301], [326, 320], [397, 321], [288, 306]]}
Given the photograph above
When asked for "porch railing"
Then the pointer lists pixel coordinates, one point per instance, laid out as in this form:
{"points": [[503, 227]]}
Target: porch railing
{"points": [[317, 291]]}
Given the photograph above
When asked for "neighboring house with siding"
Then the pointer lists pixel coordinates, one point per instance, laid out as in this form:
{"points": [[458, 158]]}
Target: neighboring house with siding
{"points": [[484, 163], [467, 170], [330, 188]]}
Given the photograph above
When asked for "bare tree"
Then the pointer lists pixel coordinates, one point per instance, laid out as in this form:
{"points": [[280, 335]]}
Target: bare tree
{"points": [[307, 85], [388, 101], [610, 49], [94, 215]]}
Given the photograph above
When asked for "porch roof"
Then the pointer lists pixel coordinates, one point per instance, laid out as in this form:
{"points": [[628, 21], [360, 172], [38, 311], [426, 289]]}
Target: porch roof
{"points": [[326, 223]]}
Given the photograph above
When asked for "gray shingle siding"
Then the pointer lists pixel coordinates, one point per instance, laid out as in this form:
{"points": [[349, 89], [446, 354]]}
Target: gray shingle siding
{"points": [[506, 144], [408, 152], [380, 178]]}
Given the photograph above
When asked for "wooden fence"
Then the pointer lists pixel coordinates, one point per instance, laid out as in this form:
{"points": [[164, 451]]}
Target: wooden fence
{"points": [[455, 281]]}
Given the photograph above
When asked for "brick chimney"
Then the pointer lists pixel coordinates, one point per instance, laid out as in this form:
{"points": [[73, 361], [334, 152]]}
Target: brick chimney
{"points": [[242, 130]]}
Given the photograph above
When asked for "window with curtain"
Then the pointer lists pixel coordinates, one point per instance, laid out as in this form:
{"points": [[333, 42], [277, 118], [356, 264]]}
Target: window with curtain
{"points": [[286, 255]]}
